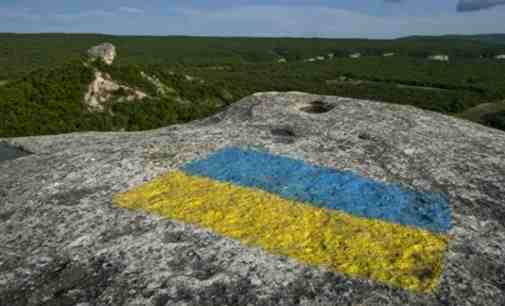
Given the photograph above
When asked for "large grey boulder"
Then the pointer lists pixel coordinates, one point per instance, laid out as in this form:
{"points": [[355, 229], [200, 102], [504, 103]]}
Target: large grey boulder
{"points": [[63, 242], [105, 51]]}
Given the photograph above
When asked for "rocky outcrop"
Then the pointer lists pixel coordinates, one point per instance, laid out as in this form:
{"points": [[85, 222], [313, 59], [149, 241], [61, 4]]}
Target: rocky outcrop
{"points": [[103, 89], [161, 89], [439, 57], [105, 51], [64, 242]]}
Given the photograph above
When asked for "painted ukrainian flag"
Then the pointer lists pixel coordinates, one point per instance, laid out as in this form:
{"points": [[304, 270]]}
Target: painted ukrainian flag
{"points": [[316, 215]]}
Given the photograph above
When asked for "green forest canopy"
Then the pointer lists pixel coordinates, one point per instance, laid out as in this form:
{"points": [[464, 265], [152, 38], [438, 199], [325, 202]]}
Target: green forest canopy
{"points": [[44, 82]]}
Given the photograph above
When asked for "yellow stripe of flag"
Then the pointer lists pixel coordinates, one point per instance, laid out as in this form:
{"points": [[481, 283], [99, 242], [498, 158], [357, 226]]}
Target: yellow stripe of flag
{"points": [[390, 253]]}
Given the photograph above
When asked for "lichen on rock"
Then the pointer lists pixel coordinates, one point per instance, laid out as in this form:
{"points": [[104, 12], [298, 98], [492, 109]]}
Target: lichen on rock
{"points": [[63, 241]]}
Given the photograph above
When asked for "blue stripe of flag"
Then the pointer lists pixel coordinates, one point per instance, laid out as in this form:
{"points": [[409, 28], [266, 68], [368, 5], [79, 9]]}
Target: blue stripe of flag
{"points": [[326, 188]]}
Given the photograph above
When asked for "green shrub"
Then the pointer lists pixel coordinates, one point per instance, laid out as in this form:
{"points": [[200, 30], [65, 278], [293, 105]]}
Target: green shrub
{"points": [[495, 120]]}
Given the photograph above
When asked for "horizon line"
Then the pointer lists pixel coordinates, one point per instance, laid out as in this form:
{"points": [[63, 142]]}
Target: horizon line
{"points": [[242, 36]]}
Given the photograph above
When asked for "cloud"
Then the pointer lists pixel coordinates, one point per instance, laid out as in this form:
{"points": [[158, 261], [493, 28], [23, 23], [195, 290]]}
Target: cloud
{"points": [[73, 19], [252, 20], [468, 5], [131, 10], [284, 20], [476, 5], [23, 14], [64, 17], [77, 17]]}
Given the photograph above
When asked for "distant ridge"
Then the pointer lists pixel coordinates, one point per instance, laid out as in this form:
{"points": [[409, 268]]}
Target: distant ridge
{"points": [[495, 38]]}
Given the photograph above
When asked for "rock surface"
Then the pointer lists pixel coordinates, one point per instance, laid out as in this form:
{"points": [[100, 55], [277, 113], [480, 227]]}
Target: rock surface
{"points": [[103, 88], [161, 88], [105, 51], [63, 242]]}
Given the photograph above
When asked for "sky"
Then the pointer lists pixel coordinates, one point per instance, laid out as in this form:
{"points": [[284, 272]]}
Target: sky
{"points": [[295, 18]]}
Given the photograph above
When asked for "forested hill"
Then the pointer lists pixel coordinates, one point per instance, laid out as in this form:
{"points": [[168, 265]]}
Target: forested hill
{"points": [[45, 79], [21, 53], [483, 38], [60, 99]]}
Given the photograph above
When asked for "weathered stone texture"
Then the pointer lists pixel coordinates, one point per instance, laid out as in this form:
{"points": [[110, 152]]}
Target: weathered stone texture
{"points": [[105, 51], [63, 242]]}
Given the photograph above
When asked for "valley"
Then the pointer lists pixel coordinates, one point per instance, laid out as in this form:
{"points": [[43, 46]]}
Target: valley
{"points": [[159, 81]]}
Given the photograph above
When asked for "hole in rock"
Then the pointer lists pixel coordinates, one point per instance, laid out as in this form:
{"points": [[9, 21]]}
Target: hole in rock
{"points": [[317, 107], [283, 132], [283, 135], [365, 136]]}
